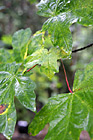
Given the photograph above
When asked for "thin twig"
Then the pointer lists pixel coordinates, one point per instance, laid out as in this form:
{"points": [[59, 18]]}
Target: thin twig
{"points": [[90, 45], [66, 78]]}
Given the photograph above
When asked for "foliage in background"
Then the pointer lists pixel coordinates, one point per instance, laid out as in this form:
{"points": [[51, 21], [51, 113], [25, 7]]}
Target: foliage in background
{"points": [[19, 14]]}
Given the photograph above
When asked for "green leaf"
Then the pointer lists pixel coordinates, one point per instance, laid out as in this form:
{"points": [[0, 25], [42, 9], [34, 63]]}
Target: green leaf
{"points": [[81, 9], [14, 84], [47, 60], [83, 78], [20, 42], [58, 29], [5, 56], [36, 42], [21, 37], [63, 14], [7, 39], [50, 8], [70, 113], [8, 121], [32, 1], [49, 63], [24, 91]]}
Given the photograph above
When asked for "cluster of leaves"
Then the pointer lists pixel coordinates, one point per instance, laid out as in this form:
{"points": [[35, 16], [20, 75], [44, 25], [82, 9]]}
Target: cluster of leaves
{"points": [[69, 112]]}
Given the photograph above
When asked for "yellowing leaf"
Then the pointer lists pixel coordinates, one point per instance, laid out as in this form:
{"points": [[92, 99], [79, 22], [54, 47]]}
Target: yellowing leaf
{"points": [[4, 108]]}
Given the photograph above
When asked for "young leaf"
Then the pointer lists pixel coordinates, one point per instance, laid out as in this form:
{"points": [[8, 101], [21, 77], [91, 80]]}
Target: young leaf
{"points": [[47, 60], [20, 42], [68, 114]]}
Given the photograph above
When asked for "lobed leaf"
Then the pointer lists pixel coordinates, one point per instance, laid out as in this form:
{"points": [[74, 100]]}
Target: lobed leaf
{"points": [[68, 114], [13, 84], [63, 14]]}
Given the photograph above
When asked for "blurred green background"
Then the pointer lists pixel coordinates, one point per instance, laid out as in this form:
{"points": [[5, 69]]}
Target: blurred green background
{"points": [[21, 14]]}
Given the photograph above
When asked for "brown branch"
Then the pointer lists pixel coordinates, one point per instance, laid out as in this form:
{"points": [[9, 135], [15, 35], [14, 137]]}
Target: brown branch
{"points": [[90, 45]]}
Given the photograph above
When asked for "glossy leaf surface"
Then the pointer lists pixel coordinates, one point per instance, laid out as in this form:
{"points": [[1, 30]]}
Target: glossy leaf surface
{"points": [[68, 114], [24, 91], [63, 14], [13, 84], [81, 9], [58, 28], [20, 42]]}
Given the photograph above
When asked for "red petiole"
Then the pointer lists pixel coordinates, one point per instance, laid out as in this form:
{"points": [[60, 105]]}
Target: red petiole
{"points": [[64, 73], [31, 68], [66, 78]]}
